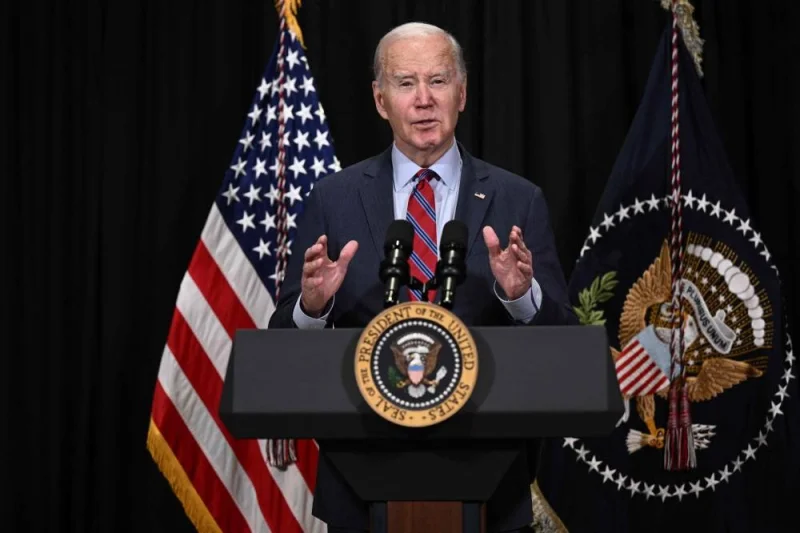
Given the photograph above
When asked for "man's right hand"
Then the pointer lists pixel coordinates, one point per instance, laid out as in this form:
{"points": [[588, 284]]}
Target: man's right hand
{"points": [[323, 277]]}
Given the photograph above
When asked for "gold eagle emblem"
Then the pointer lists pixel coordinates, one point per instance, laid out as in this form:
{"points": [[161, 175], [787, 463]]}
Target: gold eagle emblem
{"points": [[648, 301]]}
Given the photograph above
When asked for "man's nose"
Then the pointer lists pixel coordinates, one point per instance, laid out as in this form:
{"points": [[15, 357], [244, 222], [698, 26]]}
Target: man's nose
{"points": [[424, 95]]}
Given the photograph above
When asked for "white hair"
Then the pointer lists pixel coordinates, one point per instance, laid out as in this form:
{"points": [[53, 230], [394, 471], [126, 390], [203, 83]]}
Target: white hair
{"points": [[417, 29]]}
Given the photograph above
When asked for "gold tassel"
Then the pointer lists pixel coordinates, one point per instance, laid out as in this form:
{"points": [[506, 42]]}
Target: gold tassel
{"points": [[288, 10], [171, 468], [689, 29]]}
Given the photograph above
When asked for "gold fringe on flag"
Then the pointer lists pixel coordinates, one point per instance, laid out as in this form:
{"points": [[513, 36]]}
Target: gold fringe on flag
{"points": [[287, 9], [689, 29], [171, 468], [545, 519]]}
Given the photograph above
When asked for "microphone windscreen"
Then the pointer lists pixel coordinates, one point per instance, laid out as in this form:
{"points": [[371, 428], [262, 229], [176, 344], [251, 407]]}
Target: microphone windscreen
{"points": [[454, 233], [402, 231]]}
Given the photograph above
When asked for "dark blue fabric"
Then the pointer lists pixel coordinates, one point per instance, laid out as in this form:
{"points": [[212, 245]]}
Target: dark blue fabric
{"points": [[746, 479]]}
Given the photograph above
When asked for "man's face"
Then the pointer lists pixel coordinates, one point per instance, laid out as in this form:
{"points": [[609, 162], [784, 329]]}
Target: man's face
{"points": [[420, 94]]}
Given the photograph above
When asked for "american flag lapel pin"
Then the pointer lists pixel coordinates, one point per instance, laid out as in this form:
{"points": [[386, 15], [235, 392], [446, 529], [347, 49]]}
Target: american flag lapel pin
{"points": [[480, 195]]}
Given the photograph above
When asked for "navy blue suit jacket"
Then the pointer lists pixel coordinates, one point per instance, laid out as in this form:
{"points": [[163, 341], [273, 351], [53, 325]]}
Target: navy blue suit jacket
{"points": [[357, 204]]}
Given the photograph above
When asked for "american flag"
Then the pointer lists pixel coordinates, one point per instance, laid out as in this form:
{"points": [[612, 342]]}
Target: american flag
{"points": [[227, 484], [637, 372]]}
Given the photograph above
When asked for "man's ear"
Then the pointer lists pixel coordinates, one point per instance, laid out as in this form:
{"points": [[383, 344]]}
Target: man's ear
{"points": [[377, 94]]}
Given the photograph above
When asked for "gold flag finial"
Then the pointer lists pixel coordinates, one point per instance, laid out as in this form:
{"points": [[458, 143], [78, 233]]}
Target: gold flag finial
{"points": [[287, 9], [684, 11]]}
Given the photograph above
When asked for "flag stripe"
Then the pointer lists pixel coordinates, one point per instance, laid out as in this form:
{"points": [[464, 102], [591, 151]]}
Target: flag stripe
{"points": [[211, 441], [237, 269], [641, 384], [629, 353], [205, 325], [636, 368], [295, 490], [641, 370], [187, 452], [207, 384], [217, 292], [307, 460]]}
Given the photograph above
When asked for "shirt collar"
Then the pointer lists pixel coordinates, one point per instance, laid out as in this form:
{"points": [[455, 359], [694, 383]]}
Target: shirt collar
{"points": [[447, 167]]}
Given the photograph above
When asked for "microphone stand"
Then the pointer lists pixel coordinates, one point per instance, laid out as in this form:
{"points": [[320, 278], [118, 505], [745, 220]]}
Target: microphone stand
{"points": [[424, 287]]}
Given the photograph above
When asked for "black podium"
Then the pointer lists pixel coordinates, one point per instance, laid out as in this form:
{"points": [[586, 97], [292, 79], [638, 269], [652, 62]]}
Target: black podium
{"points": [[545, 381]]}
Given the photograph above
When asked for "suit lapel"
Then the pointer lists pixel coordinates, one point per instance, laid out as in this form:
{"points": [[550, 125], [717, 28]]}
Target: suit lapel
{"points": [[475, 195], [377, 198]]}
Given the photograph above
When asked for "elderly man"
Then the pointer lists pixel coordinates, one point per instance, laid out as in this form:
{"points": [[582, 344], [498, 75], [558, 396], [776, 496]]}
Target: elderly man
{"points": [[420, 88]]}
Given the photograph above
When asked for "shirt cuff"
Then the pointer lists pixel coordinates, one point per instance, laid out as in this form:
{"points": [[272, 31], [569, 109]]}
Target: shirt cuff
{"points": [[524, 308], [303, 321]]}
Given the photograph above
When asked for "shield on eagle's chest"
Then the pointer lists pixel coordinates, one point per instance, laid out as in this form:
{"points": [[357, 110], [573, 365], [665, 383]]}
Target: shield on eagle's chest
{"points": [[416, 371]]}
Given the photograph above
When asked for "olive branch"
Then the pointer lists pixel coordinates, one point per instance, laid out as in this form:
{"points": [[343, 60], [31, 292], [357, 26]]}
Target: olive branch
{"points": [[394, 376], [598, 292]]}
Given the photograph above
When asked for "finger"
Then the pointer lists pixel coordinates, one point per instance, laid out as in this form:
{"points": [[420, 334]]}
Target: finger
{"points": [[492, 242], [316, 249], [311, 267], [525, 269], [347, 254], [516, 237], [520, 254], [314, 282]]}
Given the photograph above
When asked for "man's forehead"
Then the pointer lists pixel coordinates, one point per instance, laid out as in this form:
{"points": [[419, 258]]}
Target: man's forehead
{"points": [[419, 55]]}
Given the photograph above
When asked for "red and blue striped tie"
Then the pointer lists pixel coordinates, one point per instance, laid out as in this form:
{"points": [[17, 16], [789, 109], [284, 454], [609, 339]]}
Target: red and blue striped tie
{"points": [[422, 215]]}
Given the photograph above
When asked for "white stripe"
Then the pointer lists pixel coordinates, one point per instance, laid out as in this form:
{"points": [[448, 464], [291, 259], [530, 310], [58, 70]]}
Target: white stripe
{"points": [[216, 343], [295, 491], [632, 361], [639, 386], [204, 324], [237, 269], [627, 355], [631, 378], [210, 440]]}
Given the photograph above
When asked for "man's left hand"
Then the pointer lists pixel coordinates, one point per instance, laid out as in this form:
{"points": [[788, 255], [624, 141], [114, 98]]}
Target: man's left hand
{"points": [[512, 267]]}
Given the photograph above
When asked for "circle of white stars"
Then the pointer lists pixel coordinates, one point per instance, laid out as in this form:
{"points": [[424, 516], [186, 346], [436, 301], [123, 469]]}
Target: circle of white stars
{"points": [[723, 475], [442, 395]]}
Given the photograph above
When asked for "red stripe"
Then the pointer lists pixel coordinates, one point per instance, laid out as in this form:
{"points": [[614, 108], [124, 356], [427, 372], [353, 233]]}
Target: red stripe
{"points": [[628, 355], [622, 376], [307, 460], [661, 384], [207, 384], [217, 291], [640, 386], [202, 475]]}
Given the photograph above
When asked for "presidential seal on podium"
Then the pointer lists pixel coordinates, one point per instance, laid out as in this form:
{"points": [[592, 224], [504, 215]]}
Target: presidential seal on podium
{"points": [[416, 364]]}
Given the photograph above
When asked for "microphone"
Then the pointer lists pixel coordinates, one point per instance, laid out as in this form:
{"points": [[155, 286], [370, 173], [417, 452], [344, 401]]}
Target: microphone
{"points": [[394, 272], [451, 268]]}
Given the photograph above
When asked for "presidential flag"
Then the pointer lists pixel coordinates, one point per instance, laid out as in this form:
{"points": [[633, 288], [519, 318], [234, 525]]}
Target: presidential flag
{"points": [[232, 282], [675, 268]]}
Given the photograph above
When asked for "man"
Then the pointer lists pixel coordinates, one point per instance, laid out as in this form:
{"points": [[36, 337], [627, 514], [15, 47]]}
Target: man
{"points": [[420, 88]]}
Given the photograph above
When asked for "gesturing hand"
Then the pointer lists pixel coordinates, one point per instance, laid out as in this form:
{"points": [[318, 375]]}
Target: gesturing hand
{"points": [[322, 277], [512, 267]]}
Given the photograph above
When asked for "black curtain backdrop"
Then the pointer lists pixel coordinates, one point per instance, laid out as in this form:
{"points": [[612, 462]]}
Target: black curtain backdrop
{"points": [[120, 118]]}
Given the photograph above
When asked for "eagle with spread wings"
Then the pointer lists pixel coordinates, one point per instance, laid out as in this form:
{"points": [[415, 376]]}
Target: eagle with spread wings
{"points": [[648, 299], [416, 365]]}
